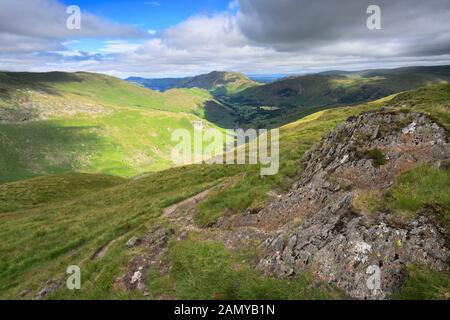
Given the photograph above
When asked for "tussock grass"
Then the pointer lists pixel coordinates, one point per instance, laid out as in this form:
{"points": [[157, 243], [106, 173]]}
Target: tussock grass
{"points": [[419, 187], [423, 284], [203, 269], [40, 242]]}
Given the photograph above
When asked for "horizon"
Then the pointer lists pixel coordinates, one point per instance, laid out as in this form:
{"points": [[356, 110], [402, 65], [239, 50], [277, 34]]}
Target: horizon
{"points": [[250, 76], [172, 39]]}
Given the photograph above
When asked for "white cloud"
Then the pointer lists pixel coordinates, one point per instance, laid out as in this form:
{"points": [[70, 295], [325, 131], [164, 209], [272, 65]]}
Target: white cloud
{"points": [[205, 31], [253, 37], [119, 46], [35, 25]]}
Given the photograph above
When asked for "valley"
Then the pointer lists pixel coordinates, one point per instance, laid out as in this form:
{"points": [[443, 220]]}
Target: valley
{"points": [[86, 180], [58, 122]]}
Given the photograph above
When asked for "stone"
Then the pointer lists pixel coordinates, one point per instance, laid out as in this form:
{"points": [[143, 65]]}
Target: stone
{"points": [[133, 242]]}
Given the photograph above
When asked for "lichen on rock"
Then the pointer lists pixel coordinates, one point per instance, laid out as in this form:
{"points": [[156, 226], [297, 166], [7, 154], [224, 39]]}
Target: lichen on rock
{"points": [[335, 241]]}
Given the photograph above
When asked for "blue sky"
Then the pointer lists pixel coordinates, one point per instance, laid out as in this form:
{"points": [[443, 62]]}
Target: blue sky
{"points": [[149, 15], [171, 38]]}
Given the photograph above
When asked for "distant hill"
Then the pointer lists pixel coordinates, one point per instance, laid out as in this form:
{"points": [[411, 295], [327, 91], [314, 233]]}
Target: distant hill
{"points": [[291, 98], [341, 87], [218, 82], [273, 102]]}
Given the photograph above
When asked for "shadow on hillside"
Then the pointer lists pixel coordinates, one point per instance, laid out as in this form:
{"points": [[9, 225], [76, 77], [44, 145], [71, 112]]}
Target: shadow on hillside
{"points": [[33, 149], [34, 81], [220, 115]]}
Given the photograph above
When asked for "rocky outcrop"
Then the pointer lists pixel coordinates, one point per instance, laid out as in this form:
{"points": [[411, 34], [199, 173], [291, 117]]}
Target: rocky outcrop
{"points": [[316, 227]]}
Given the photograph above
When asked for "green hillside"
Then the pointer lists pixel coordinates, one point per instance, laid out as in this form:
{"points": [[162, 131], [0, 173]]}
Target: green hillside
{"points": [[42, 236], [289, 99], [221, 83], [58, 122], [217, 82]]}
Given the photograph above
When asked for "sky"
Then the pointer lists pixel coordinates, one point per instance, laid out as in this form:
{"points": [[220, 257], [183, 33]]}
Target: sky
{"points": [[171, 38]]}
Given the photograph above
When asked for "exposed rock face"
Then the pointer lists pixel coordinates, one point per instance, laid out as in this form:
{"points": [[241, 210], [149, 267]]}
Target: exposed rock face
{"points": [[338, 244]]}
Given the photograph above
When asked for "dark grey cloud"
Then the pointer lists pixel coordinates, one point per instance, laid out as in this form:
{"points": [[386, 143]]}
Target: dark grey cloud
{"points": [[253, 36], [413, 27]]}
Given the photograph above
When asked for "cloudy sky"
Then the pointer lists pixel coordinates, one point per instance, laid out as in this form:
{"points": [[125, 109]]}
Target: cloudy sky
{"points": [[177, 37]]}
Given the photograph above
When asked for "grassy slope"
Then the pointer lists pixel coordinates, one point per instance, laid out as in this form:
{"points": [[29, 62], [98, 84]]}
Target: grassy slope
{"points": [[40, 242], [222, 83], [39, 191], [92, 123], [217, 82], [295, 96]]}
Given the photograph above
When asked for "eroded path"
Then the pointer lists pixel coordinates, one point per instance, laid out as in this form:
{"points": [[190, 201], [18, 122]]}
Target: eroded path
{"points": [[181, 216], [181, 225]]}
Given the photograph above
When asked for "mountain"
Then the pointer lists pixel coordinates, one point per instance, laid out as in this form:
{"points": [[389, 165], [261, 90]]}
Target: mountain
{"points": [[270, 104], [217, 82], [208, 231], [340, 87], [57, 122], [288, 99]]}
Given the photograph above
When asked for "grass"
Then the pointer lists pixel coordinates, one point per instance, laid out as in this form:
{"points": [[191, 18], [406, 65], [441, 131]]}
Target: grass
{"points": [[423, 284], [43, 190], [334, 89], [125, 143], [432, 100], [95, 124], [40, 242], [203, 269], [296, 97], [42, 235], [378, 157], [368, 201], [419, 187], [252, 189], [300, 136]]}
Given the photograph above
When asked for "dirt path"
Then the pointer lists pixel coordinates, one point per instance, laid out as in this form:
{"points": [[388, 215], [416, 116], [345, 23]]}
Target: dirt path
{"points": [[181, 218], [182, 215], [100, 253], [168, 212]]}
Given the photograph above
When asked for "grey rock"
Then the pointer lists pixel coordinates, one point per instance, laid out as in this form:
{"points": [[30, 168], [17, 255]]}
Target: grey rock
{"points": [[334, 242], [51, 287], [133, 242]]}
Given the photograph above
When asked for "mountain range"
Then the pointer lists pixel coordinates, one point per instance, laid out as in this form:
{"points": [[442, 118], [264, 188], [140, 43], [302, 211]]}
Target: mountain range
{"points": [[285, 100]]}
